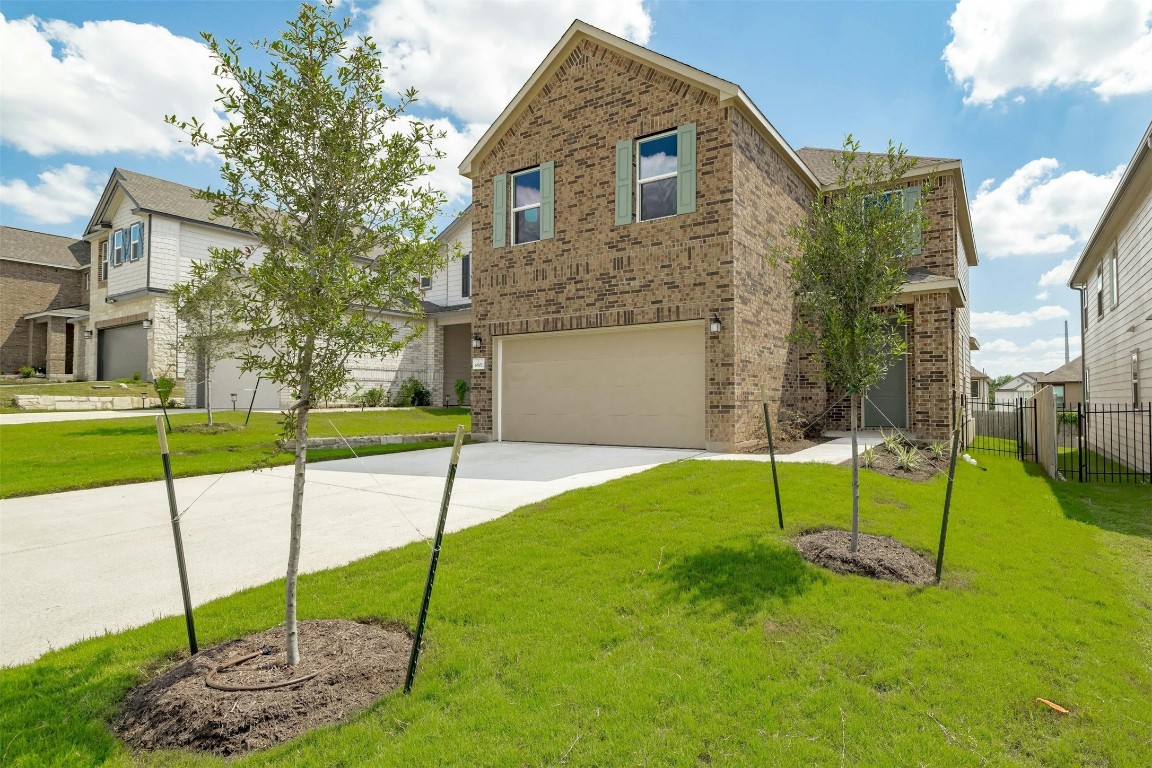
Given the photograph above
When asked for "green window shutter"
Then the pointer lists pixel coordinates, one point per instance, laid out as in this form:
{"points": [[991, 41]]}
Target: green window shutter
{"points": [[624, 182], [547, 200], [499, 210], [911, 196], [686, 168]]}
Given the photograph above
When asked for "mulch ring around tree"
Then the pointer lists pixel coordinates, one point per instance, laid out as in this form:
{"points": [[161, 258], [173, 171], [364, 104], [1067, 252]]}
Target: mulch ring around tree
{"points": [[356, 664], [877, 557]]}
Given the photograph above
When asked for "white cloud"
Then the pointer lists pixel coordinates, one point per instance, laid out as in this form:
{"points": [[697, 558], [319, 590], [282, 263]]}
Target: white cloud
{"points": [[1059, 274], [471, 58], [455, 145], [1043, 296], [1037, 210], [104, 86], [994, 320], [1000, 47], [63, 194], [1037, 345], [1002, 356]]}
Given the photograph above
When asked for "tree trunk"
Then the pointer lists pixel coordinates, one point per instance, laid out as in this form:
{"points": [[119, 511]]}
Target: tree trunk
{"points": [[291, 638], [855, 482], [208, 389]]}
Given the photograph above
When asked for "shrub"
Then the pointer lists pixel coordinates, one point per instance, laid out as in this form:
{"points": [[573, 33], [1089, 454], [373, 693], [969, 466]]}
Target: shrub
{"points": [[939, 448], [909, 457], [164, 386], [868, 456], [27, 371], [461, 387], [412, 392], [793, 425], [136, 376], [374, 398]]}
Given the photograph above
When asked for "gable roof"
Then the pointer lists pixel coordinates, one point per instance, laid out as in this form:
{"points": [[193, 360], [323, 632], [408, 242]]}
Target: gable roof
{"points": [[976, 373], [1125, 197], [42, 248], [152, 195], [727, 93], [1028, 377], [1071, 371]]}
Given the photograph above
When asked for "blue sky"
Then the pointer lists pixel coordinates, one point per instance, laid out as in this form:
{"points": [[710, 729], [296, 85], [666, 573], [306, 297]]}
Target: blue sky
{"points": [[1043, 102]]}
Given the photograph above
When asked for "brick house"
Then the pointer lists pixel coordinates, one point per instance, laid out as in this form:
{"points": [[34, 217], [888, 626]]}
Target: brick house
{"points": [[43, 290], [623, 204]]}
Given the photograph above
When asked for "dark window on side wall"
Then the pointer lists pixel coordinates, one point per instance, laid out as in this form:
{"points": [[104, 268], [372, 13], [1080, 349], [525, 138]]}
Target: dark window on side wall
{"points": [[466, 275]]}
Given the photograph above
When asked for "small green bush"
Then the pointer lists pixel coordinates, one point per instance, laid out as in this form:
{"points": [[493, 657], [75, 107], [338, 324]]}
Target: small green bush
{"points": [[909, 457], [27, 371], [461, 387], [412, 393], [868, 456], [136, 376], [893, 441], [939, 449], [374, 398]]}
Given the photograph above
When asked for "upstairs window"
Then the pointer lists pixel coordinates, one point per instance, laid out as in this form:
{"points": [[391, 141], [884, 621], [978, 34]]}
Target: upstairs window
{"points": [[118, 247], [656, 175], [466, 276], [135, 241], [1100, 291], [526, 206], [1115, 269], [102, 267]]}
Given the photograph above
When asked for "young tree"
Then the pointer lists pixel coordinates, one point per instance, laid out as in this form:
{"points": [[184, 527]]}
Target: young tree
{"points": [[326, 172], [205, 306], [849, 261]]}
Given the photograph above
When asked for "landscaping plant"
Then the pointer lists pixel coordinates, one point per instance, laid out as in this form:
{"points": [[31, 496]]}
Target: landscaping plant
{"points": [[412, 392], [325, 170], [206, 306], [849, 261], [461, 387]]}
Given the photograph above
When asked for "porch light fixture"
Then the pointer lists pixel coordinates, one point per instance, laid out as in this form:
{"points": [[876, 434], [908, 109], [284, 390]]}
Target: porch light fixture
{"points": [[87, 334], [146, 324], [714, 324], [477, 341]]}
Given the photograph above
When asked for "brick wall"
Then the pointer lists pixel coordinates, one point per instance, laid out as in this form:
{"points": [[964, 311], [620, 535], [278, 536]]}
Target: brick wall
{"points": [[594, 273], [27, 288]]}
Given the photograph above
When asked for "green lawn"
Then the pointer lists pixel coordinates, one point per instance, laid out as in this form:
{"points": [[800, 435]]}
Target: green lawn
{"points": [[60, 456], [10, 387], [662, 620]]}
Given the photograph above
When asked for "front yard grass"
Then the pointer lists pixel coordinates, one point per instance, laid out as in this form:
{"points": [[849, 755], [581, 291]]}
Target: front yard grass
{"points": [[662, 619], [10, 387], [68, 455]]}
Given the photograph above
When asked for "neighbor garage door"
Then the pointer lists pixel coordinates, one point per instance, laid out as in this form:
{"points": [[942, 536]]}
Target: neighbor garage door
{"points": [[639, 386], [124, 352], [227, 380]]}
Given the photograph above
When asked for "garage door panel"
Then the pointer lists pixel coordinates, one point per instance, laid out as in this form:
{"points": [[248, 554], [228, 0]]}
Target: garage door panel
{"points": [[641, 386], [124, 352]]}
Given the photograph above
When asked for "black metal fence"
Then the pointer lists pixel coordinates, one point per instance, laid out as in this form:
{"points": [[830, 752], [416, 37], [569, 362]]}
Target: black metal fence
{"points": [[1006, 427], [1105, 442]]}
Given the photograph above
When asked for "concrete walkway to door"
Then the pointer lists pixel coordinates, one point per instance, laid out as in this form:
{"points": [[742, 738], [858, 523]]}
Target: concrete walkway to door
{"points": [[82, 563]]}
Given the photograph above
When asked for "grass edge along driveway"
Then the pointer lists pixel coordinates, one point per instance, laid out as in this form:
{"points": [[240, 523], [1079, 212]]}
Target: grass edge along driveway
{"points": [[71, 455], [662, 619]]}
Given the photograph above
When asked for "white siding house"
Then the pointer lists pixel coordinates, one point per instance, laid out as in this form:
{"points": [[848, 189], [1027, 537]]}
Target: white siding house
{"points": [[1114, 277]]}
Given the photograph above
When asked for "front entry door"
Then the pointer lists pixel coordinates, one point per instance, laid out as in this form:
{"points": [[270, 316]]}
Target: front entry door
{"points": [[887, 403]]}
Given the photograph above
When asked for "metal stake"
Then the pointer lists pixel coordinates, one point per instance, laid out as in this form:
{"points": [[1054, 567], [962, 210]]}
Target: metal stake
{"points": [[176, 533], [415, 657], [772, 459], [948, 498], [252, 402]]}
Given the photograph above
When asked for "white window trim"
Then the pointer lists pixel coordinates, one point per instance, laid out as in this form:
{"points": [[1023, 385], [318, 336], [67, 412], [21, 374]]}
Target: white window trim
{"points": [[641, 182], [135, 238], [1114, 258], [425, 283], [118, 251], [1100, 290], [513, 210], [105, 258]]}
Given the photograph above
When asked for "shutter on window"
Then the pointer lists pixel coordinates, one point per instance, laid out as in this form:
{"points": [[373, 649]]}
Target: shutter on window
{"points": [[547, 200], [624, 182], [911, 197], [686, 168], [499, 210]]}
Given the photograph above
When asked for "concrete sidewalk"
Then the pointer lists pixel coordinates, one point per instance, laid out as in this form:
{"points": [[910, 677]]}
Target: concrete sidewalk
{"points": [[835, 451], [78, 564]]}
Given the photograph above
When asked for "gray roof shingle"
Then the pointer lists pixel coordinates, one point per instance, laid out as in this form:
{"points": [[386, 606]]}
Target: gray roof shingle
{"points": [[43, 248], [822, 162], [163, 196], [1071, 371]]}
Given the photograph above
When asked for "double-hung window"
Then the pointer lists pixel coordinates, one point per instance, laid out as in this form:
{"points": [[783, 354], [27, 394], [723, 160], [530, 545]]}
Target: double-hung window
{"points": [[1058, 392], [975, 389], [102, 269], [1100, 291], [524, 203], [1115, 269], [466, 275], [136, 241], [118, 247], [656, 175], [425, 282]]}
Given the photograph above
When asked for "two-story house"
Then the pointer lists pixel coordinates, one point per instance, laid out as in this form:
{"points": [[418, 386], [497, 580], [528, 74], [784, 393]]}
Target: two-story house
{"points": [[623, 206]]}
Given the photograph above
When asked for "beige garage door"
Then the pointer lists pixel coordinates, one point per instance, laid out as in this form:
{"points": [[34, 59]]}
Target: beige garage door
{"points": [[641, 386]]}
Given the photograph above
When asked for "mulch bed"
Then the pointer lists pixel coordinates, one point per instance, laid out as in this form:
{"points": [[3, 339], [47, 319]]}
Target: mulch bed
{"points": [[784, 447], [877, 557], [357, 662], [885, 463]]}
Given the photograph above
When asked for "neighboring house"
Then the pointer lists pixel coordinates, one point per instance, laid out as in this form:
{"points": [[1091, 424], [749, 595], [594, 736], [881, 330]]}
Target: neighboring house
{"points": [[447, 298], [1067, 383], [624, 205], [1114, 277], [1022, 386], [978, 389], [43, 289]]}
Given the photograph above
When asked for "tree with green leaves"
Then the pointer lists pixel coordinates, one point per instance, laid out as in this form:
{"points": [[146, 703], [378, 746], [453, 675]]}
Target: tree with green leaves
{"points": [[848, 262], [205, 307], [326, 172]]}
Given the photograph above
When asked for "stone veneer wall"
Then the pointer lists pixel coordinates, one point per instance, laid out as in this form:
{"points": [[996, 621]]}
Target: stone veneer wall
{"points": [[594, 273]]}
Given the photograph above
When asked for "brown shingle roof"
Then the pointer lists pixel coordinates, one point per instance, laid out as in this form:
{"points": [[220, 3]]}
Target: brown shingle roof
{"points": [[1071, 371], [976, 373], [163, 196], [43, 248], [823, 162]]}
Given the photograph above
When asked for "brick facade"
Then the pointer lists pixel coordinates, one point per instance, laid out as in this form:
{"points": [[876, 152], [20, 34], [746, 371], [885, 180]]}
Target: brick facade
{"points": [[28, 288]]}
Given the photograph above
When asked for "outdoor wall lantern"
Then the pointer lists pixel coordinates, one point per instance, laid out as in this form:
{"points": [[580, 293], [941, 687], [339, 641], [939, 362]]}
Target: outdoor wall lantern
{"points": [[147, 324], [477, 341], [87, 334], [714, 324]]}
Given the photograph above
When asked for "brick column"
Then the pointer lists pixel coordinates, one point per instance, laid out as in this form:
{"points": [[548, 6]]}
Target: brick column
{"points": [[55, 362]]}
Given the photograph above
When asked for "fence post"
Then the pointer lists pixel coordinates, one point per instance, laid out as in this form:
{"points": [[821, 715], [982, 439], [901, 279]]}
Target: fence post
{"points": [[1080, 441]]}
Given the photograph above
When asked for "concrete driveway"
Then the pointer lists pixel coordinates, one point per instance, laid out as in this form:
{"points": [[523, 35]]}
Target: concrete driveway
{"points": [[78, 564]]}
